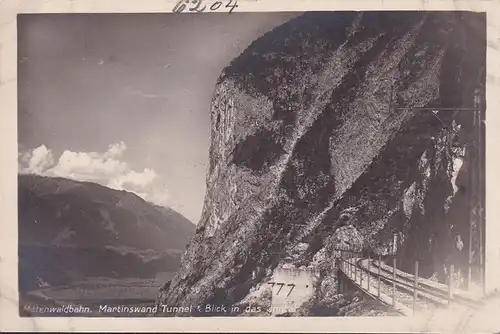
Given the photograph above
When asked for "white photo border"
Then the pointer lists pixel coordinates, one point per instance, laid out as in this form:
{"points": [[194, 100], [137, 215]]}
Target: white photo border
{"points": [[9, 311]]}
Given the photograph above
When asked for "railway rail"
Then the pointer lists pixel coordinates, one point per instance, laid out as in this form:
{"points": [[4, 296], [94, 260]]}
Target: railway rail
{"points": [[406, 293]]}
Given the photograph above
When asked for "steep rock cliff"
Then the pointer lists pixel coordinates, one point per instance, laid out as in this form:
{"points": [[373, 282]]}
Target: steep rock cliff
{"points": [[314, 147]]}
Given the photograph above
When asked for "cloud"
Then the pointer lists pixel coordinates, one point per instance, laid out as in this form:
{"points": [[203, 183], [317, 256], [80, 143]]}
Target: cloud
{"points": [[38, 160], [106, 168]]}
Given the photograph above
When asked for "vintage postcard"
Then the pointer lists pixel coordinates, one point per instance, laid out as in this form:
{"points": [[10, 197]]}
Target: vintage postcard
{"points": [[195, 165]]}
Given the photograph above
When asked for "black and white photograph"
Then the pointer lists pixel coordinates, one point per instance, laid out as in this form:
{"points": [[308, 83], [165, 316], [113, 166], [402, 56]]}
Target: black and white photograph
{"points": [[251, 164]]}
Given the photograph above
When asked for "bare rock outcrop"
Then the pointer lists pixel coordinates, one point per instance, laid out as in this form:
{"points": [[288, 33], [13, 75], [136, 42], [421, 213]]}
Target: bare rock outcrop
{"points": [[314, 145]]}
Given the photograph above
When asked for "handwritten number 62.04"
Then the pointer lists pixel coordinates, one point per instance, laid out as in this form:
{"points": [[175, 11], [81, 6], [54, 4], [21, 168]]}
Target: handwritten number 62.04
{"points": [[198, 7]]}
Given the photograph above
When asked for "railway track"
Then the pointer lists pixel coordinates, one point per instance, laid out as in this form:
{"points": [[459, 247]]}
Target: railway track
{"points": [[429, 295], [424, 287], [403, 292]]}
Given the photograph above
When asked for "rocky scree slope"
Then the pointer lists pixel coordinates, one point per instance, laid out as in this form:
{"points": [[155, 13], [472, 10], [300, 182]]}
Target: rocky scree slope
{"points": [[310, 151]]}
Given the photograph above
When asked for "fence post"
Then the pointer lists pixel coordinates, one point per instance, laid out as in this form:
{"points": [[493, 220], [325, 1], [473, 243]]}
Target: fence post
{"points": [[345, 262], [368, 277], [450, 283], [361, 273], [415, 286], [338, 261], [355, 270], [353, 265], [350, 265], [379, 265], [394, 281], [342, 259]]}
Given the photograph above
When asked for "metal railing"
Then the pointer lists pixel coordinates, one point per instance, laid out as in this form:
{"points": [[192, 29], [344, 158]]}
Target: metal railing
{"points": [[350, 263]]}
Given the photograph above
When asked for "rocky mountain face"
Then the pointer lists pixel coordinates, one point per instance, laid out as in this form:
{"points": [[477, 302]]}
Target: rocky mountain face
{"points": [[315, 147], [71, 230]]}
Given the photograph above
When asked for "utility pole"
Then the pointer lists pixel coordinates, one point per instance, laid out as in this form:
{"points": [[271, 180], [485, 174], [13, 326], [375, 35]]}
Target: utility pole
{"points": [[476, 192], [479, 186], [475, 158], [470, 154]]}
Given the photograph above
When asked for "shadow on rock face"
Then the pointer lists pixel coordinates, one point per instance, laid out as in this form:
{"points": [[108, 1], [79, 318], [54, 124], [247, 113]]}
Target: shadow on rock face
{"points": [[313, 130]]}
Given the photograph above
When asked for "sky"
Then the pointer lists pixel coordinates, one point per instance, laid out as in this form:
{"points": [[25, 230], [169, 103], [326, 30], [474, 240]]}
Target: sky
{"points": [[123, 100]]}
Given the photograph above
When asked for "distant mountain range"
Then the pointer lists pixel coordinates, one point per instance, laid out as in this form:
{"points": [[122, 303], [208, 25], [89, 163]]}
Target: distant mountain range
{"points": [[70, 230]]}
